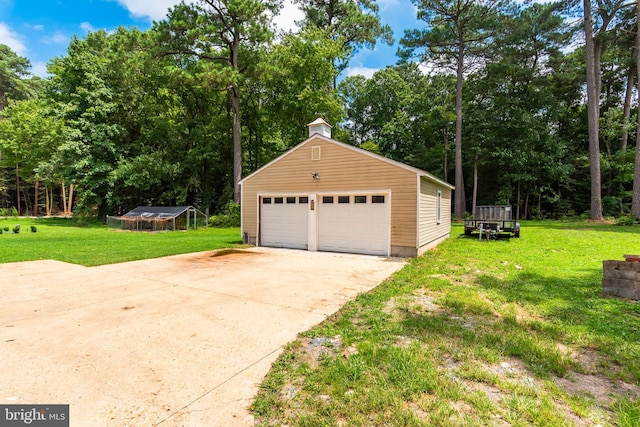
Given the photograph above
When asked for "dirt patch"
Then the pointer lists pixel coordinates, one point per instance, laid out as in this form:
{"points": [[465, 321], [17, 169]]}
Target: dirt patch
{"points": [[511, 373], [416, 304], [601, 221], [227, 252], [314, 349], [589, 361], [222, 256], [603, 390]]}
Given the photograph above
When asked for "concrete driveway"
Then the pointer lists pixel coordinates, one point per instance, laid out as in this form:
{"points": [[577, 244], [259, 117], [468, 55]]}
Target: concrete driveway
{"points": [[177, 341]]}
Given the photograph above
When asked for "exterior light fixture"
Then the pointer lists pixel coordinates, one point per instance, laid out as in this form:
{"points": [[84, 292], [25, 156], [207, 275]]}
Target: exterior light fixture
{"points": [[315, 175]]}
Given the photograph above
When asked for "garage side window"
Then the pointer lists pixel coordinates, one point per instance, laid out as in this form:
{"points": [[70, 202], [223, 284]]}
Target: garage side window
{"points": [[266, 200], [359, 199], [343, 199], [303, 200], [278, 200], [439, 207], [291, 200], [327, 199], [377, 199]]}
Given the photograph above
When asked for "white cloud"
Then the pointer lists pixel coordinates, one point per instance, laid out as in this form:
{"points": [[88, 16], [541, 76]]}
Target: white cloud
{"points": [[56, 38], [289, 13], [388, 4], [39, 69], [430, 69], [155, 10], [36, 27], [362, 71], [86, 26], [12, 39]]}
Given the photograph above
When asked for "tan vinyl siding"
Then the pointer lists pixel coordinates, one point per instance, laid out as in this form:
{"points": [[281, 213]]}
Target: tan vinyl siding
{"points": [[339, 169], [430, 229]]}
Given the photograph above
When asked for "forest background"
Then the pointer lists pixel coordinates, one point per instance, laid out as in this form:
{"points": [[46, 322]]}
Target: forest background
{"points": [[529, 104]]}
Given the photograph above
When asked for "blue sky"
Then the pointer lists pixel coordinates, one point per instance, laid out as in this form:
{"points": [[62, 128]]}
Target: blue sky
{"points": [[41, 29]]}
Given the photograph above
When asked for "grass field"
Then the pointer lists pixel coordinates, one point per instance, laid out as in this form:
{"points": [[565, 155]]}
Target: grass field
{"points": [[91, 243], [512, 332]]}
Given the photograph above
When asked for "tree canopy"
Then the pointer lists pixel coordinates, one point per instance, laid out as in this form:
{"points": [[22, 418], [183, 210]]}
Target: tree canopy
{"points": [[179, 113]]}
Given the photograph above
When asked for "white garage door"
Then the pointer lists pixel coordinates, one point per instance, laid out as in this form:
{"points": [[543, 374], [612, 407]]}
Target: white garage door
{"points": [[284, 221], [355, 223]]}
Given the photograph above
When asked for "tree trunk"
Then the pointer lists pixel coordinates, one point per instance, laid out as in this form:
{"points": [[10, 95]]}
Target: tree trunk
{"points": [[70, 201], [627, 109], [237, 143], [26, 198], [237, 136], [518, 202], [18, 191], [540, 205], [35, 199], [592, 113], [475, 184], [64, 198], [460, 203], [635, 202], [558, 204], [598, 47], [609, 183], [47, 200], [446, 155]]}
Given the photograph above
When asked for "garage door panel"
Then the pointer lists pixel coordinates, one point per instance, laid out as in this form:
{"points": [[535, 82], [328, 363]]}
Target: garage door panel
{"points": [[354, 227], [284, 225]]}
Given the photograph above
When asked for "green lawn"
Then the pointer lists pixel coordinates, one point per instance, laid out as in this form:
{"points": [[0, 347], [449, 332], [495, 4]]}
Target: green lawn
{"points": [[507, 332], [91, 243]]}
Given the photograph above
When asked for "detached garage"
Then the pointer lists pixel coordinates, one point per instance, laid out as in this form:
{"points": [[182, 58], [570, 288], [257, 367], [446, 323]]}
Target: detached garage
{"points": [[323, 195]]}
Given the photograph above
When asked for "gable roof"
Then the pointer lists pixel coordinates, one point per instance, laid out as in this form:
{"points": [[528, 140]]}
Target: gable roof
{"points": [[395, 163]]}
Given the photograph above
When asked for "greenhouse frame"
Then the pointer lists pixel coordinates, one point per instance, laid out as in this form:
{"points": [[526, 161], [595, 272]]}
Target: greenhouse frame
{"points": [[159, 218]]}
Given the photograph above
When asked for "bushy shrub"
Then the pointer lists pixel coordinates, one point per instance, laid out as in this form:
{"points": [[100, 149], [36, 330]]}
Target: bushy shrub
{"points": [[627, 220], [16, 229], [34, 228], [9, 212], [229, 216], [6, 229]]}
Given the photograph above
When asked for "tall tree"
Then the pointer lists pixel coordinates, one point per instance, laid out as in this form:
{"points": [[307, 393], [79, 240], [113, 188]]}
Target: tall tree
{"points": [[14, 69], [593, 111], [353, 23], [456, 34], [223, 33], [402, 114], [635, 202], [297, 85], [29, 137], [597, 36], [81, 84]]}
